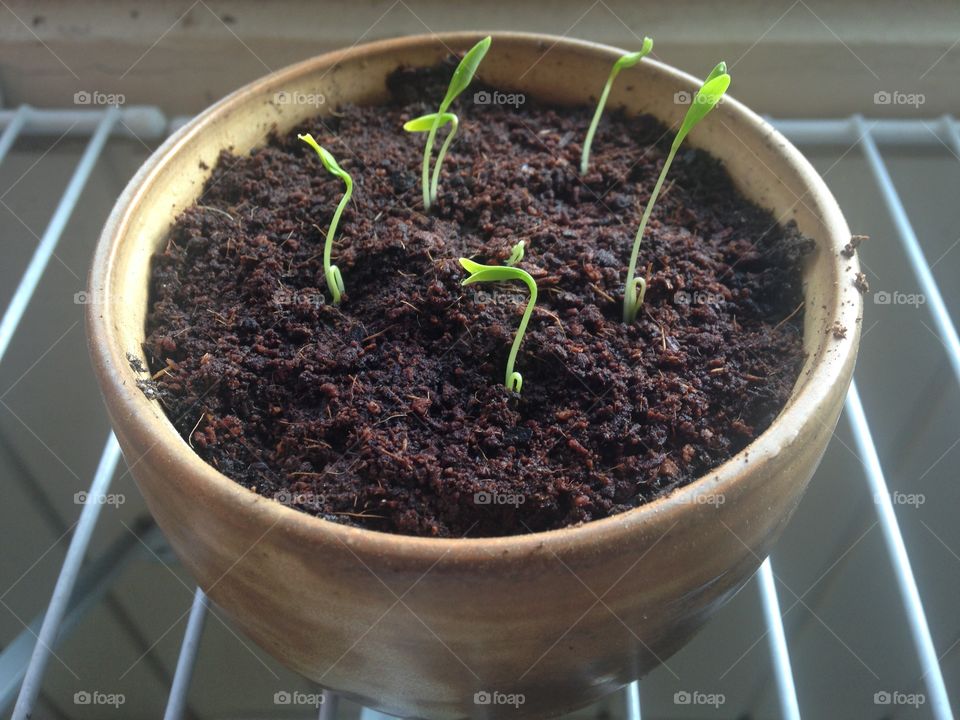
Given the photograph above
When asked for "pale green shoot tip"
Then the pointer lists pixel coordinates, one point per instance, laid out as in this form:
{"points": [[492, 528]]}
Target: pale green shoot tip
{"points": [[516, 254], [330, 271], [705, 100]]}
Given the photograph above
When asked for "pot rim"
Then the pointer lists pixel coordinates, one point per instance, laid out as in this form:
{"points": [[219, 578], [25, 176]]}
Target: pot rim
{"points": [[118, 382]]}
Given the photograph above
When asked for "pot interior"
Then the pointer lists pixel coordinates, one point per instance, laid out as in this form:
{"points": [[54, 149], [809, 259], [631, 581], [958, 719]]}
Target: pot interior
{"points": [[763, 166]]}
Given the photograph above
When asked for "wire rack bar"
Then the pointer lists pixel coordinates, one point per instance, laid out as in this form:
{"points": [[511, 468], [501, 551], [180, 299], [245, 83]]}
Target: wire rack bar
{"points": [[932, 673], [51, 236], [50, 628], [331, 705], [953, 136], [930, 132], [141, 121], [632, 694], [921, 268], [786, 689], [906, 583], [367, 714], [867, 135], [149, 123], [53, 620], [12, 128], [93, 583], [188, 657]]}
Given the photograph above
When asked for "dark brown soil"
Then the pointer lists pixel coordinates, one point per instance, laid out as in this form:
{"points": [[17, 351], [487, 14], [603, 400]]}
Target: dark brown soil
{"points": [[389, 411]]}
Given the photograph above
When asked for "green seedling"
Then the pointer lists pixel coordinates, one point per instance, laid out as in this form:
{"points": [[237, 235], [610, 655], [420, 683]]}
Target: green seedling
{"points": [[497, 273], [627, 61], [332, 272], [434, 121], [703, 102], [516, 254], [424, 123]]}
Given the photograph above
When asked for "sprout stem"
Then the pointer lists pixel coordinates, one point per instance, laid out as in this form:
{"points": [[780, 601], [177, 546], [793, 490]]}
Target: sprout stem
{"points": [[585, 157], [635, 289], [434, 184], [705, 99], [514, 380], [330, 271], [462, 76], [425, 175], [626, 61]]}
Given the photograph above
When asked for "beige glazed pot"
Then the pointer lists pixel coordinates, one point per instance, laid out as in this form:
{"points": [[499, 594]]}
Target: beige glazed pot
{"points": [[417, 626]]}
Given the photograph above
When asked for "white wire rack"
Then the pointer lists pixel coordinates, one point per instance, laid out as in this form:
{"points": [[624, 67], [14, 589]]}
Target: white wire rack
{"points": [[23, 662]]}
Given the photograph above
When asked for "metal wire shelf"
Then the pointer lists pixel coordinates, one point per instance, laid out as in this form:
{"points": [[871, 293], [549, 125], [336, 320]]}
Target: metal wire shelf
{"points": [[24, 661]]}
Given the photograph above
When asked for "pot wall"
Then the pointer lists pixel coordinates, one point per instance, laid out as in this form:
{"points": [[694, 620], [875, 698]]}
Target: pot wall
{"points": [[416, 626]]}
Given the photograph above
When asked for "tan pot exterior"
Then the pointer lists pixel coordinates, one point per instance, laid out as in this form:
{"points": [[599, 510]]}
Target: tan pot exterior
{"points": [[416, 626]]}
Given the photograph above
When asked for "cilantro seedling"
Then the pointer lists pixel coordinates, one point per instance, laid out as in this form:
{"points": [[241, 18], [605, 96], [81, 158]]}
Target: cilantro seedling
{"points": [[703, 102], [497, 273], [332, 272], [432, 122], [627, 61]]}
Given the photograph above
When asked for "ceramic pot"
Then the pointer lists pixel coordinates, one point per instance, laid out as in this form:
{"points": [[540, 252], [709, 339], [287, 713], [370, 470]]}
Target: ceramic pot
{"points": [[417, 626]]}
